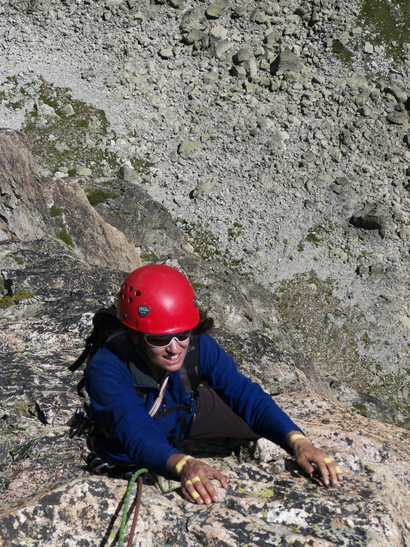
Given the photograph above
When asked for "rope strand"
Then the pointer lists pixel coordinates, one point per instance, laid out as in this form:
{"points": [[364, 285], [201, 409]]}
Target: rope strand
{"points": [[136, 511], [162, 487], [132, 480]]}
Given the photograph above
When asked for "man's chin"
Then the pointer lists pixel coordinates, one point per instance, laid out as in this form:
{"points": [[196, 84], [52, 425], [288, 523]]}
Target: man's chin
{"points": [[173, 366]]}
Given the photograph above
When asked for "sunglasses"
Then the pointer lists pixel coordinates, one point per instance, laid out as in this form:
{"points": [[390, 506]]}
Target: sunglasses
{"points": [[164, 340]]}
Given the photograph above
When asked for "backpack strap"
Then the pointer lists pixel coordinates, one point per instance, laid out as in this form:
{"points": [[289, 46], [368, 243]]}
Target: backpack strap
{"points": [[191, 377], [83, 357], [190, 372], [105, 322]]}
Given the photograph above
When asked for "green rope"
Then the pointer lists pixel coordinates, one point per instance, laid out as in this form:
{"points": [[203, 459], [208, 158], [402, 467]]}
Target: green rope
{"points": [[127, 498], [126, 505], [162, 488]]}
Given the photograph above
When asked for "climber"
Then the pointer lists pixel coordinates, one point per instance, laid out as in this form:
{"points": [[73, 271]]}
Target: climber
{"points": [[141, 400]]}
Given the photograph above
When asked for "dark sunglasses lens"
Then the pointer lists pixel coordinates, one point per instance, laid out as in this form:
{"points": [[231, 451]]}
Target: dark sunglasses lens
{"points": [[158, 340], [155, 340], [182, 336]]}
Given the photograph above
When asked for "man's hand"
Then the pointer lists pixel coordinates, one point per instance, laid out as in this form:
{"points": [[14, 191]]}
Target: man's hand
{"points": [[306, 454], [196, 477]]}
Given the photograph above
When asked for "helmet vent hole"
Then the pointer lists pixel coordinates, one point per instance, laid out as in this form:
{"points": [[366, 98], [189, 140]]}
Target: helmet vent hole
{"points": [[138, 293], [130, 300]]}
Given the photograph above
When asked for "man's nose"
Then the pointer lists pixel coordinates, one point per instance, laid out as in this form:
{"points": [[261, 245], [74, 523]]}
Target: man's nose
{"points": [[173, 346]]}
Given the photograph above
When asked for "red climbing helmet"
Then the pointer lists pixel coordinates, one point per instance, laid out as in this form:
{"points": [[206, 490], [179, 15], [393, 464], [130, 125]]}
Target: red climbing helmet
{"points": [[157, 299]]}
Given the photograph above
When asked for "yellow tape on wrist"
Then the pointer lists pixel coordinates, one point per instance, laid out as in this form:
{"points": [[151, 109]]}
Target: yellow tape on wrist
{"points": [[180, 465], [294, 437]]}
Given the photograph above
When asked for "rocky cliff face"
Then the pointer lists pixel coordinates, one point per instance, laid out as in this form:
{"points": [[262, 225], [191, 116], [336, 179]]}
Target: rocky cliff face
{"points": [[32, 209], [275, 134], [48, 497], [261, 147]]}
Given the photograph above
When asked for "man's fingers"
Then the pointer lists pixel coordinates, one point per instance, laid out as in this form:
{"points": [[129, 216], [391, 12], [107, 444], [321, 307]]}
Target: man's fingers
{"points": [[196, 482], [330, 471], [217, 475], [328, 468], [336, 474], [201, 490], [333, 470]]}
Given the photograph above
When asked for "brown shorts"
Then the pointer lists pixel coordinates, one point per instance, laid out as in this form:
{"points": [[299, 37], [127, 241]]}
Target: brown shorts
{"points": [[214, 419]]}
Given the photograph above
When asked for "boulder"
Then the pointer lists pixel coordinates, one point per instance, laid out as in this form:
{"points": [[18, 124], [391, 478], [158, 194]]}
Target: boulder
{"points": [[286, 61], [20, 190], [32, 208]]}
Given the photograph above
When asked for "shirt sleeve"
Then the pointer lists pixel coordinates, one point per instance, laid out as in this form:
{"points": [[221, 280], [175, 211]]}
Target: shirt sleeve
{"points": [[117, 405], [245, 397]]}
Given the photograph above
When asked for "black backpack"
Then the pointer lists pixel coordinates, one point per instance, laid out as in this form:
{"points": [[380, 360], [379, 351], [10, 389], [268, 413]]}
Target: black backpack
{"points": [[108, 329]]}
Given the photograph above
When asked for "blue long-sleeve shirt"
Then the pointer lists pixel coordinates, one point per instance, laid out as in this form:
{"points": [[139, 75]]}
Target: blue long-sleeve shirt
{"points": [[148, 442]]}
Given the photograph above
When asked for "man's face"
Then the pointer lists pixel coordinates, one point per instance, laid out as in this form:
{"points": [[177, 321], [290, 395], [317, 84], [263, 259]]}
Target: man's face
{"points": [[169, 358]]}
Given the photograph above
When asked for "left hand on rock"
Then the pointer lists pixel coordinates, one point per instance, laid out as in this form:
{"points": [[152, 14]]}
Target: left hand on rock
{"points": [[308, 456]]}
